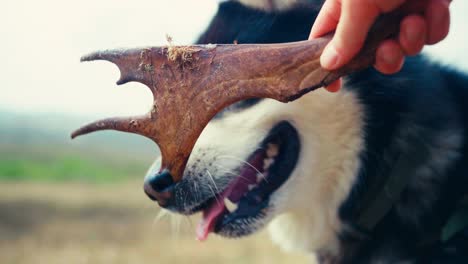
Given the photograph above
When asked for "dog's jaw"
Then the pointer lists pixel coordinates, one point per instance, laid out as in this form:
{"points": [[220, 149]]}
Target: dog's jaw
{"points": [[304, 210]]}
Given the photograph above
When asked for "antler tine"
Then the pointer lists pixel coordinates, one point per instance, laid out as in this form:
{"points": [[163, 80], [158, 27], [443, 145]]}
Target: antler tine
{"points": [[132, 63], [108, 55], [137, 125]]}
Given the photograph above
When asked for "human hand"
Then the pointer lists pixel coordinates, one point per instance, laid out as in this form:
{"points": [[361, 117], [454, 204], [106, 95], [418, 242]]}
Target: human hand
{"points": [[352, 19]]}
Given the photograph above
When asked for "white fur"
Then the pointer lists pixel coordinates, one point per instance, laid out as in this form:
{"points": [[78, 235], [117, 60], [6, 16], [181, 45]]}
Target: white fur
{"points": [[270, 5], [305, 208]]}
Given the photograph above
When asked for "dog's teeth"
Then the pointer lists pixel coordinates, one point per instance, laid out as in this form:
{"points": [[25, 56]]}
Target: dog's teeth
{"points": [[231, 207], [267, 163], [272, 150], [260, 177], [251, 186]]}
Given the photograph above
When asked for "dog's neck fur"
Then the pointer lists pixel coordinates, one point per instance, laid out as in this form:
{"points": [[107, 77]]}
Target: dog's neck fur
{"points": [[312, 221], [318, 220]]}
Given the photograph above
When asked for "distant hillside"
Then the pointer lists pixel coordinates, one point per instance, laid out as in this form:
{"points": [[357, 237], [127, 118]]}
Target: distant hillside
{"points": [[38, 147], [27, 129]]}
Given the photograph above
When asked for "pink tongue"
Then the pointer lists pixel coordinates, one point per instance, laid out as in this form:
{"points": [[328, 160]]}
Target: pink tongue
{"points": [[212, 213], [209, 219], [234, 192]]}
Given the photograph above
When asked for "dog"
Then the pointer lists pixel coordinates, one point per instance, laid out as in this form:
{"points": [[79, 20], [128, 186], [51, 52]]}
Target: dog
{"points": [[371, 174]]}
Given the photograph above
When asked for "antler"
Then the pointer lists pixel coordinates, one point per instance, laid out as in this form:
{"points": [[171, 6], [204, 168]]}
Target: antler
{"points": [[190, 84]]}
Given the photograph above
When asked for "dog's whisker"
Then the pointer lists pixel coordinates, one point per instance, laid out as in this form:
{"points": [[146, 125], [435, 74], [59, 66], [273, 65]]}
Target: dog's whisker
{"points": [[212, 180], [175, 225], [162, 213], [232, 172], [214, 194], [189, 221], [242, 161], [226, 169], [196, 190]]}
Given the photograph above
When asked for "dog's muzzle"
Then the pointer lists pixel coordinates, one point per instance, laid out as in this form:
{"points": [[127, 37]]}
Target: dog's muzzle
{"points": [[160, 188]]}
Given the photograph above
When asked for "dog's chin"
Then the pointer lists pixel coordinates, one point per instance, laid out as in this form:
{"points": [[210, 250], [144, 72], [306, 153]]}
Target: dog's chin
{"points": [[244, 205]]}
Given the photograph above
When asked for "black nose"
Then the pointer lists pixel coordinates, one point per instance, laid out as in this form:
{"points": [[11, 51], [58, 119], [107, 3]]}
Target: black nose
{"points": [[160, 181], [159, 187]]}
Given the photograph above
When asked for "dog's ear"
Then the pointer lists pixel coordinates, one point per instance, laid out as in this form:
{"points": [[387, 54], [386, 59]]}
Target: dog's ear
{"points": [[238, 23], [225, 26]]}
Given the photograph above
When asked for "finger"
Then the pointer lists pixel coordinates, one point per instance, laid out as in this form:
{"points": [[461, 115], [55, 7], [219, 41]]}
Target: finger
{"points": [[412, 35], [327, 19], [334, 86], [389, 57], [438, 20], [355, 21]]}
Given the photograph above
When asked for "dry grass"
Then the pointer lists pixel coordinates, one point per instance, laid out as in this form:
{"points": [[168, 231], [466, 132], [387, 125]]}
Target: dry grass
{"points": [[78, 223]]}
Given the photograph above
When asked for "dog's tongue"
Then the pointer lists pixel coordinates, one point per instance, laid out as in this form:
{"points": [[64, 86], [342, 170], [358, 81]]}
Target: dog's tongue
{"points": [[215, 210], [209, 219], [233, 192]]}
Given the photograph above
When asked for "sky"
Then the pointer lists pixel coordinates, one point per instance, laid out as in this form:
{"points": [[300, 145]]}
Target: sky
{"points": [[43, 40]]}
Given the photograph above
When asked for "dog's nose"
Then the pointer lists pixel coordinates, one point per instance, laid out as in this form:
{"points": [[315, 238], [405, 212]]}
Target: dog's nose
{"points": [[159, 188]]}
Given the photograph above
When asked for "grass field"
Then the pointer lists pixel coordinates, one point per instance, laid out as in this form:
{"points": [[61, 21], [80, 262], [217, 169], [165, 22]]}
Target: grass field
{"points": [[81, 201], [109, 223], [55, 166], [39, 149]]}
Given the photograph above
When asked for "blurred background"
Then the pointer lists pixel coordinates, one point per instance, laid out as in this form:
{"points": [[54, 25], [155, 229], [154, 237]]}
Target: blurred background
{"points": [[81, 201]]}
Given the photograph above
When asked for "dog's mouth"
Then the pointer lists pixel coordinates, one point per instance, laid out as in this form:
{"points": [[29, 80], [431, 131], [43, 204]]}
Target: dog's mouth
{"points": [[238, 209]]}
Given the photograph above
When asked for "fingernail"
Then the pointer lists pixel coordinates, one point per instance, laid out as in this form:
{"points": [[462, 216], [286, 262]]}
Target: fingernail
{"points": [[329, 58]]}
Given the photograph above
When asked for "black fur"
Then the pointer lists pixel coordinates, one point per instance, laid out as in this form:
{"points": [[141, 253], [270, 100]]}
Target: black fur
{"points": [[236, 23], [424, 103]]}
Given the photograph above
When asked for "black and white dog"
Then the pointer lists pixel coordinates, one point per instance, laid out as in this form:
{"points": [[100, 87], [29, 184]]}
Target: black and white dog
{"points": [[370, 174]]}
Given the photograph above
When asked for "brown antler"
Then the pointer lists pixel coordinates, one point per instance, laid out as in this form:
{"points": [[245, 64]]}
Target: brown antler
{"points": [[190, 84]]}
